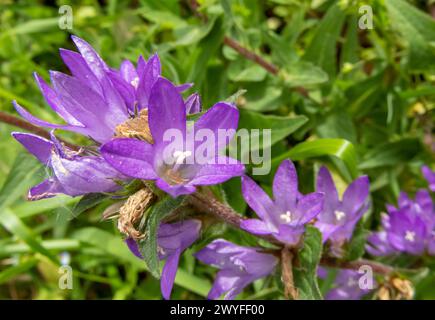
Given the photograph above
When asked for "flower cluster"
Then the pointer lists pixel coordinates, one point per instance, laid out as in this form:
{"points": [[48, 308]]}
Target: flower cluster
{"points": [[127, 114]]}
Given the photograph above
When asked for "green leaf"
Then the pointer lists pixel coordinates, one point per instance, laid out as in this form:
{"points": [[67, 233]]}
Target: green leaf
{"points": [[88, 201], [37, 25], [17, 227], [356, 247], [14, 271], [24, 173], [418, 29], [391, 153], [339, 148], [253, 73], [280, 127], [322, 49], [148, 246], [303, 73], [305, 275]]}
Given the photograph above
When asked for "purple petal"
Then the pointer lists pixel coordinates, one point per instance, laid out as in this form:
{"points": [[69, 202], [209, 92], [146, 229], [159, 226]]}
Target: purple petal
{"points": [[255, 226], [166, 110], [93, 60], [326, 185], [46, 189], [226, 281], [257, 199], [175, 190], [289, 234], [131, 157], [41, 148], [309, 207], [217, 172], [285, 186], [429, 175], [221, 118], [168, 274], [134, 248], [148, 78], [54, 102], [185, 86], [79, 69], [128, 71], [178, 235], [193, 104], [356, 195]]}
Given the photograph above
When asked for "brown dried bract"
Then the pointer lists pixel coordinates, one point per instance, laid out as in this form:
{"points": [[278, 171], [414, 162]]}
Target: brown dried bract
{"points": [[132, 211], [136, 128], [396, 289]]}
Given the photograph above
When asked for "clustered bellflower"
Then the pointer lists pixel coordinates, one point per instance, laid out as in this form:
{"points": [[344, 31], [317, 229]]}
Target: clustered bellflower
{"points": [[410, 228], [172, 240], [175, 168], [239, 266], [429, 175], [338, 218], [286, 215], [72, 174]]}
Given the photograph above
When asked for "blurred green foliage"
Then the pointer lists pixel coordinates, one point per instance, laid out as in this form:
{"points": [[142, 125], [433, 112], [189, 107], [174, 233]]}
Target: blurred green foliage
{"points": [[369, 95]]}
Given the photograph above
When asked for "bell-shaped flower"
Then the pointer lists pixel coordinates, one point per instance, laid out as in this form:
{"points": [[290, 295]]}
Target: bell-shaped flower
{"points": [[175, 158], [284, 217], [72, 173], [429, 175], [239, 266], [172, 240], [338, 218]]}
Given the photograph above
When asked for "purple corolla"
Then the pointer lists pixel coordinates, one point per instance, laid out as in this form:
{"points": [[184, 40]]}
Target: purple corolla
{"points": [[239, 266], [284, 217], [95, 99], [172, 240], [72, 174], [338, 218], [172, 159], [408, 228]]}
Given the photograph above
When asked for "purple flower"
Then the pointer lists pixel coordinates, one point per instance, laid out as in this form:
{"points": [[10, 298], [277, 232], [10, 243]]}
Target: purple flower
{"points": [[346, 286], [429, 176], [172, 240], [95, 99], [134, 84], [285, 216], [173, 164], [408, 228], [338, 218], [72, 174], [239, 266]]}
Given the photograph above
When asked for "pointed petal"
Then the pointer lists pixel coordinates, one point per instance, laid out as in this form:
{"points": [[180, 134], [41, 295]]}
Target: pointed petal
{"points": [[193, 104], [309, 206], [175, 190], [185, 86], [46, 189], [326, 185], [128, 71], [226, 281], [256, 198], [356, 194], [40, 147], [131, 157], [79, 69], [285, 186], [217, 172], [166, 111], [255, 226], [54, 102], [289, 235], [134, 248], [148, 78], [125, 89], [221, 118], [168, 274]]}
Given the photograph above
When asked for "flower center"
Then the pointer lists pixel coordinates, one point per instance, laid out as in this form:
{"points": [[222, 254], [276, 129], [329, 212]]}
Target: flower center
{"points": [[180, 156], [136, 128], [410, 236], [286, 217], [339, 215]]}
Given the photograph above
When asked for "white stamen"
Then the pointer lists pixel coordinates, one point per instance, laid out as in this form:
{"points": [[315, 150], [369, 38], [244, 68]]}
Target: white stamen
{"points": [[160, 250], [135, 82], [339, 215], [287, 217], [410, 236], [180, 156]]}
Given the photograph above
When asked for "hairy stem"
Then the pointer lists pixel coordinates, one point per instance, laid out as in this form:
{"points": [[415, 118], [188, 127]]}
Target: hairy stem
{"points": [[290, 290]]}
